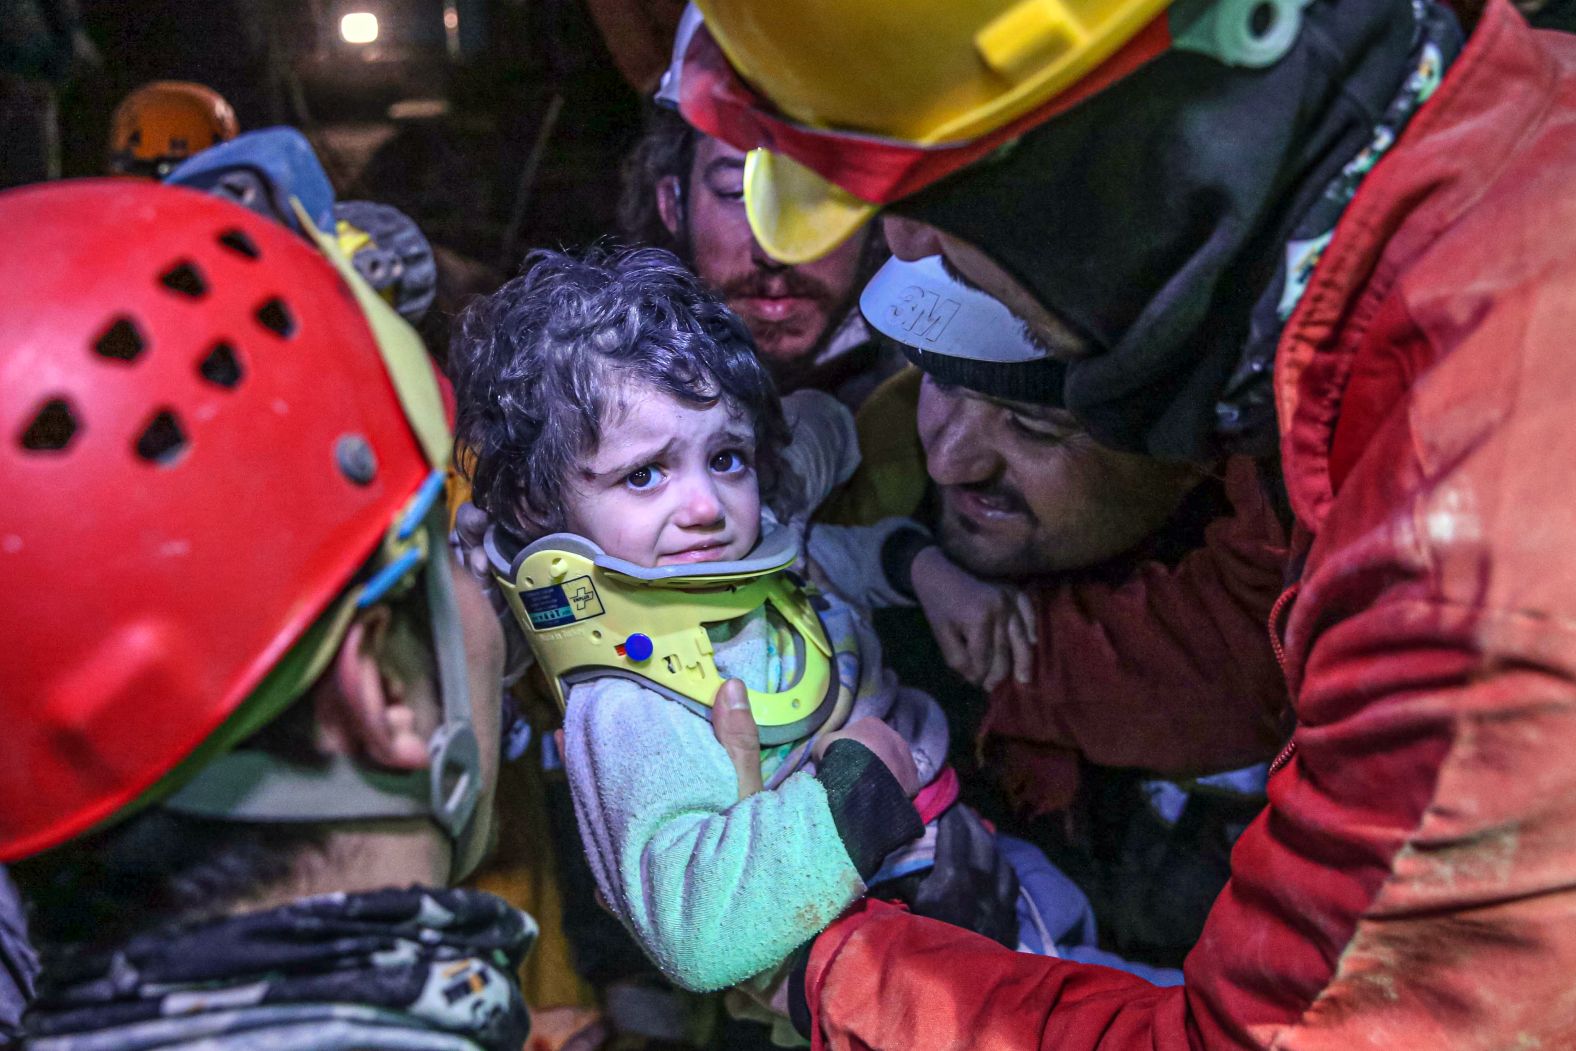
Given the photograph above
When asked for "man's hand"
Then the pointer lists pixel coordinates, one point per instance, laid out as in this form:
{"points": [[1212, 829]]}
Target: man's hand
{"points": [[734, 727], [986, 631], [887, 744], [470, 528], [733, 724]]}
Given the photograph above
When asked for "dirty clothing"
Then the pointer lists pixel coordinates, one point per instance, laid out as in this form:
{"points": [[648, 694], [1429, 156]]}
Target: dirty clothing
{"points": [[1167, 668], [1157, 656], [1411, 882], [18, 962], [718, 890], [417, 969]]}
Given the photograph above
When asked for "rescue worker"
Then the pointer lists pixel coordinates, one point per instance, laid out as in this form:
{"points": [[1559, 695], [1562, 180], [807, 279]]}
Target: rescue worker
{"points": [[1329, 232], [163, 122], [684, 191], [250, 703], [1139, 572]]}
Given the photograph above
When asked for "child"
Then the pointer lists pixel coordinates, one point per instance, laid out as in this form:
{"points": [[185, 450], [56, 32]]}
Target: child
{"points": [[614, 398]]}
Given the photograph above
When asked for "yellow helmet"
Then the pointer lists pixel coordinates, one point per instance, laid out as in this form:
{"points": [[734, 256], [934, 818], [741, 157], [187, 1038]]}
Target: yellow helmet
{"points": [[588, 615], [161, 124], [862, 102]]}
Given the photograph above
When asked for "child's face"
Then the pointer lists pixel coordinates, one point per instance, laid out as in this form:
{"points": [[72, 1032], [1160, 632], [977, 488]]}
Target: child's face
{"points": [[669, 484]]}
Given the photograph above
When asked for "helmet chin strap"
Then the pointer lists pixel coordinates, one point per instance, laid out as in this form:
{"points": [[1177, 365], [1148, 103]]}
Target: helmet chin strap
{"points": [[252, 786], [455, 767]]}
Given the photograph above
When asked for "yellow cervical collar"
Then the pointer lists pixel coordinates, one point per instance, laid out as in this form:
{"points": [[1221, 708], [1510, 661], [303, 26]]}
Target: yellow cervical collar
{"points": [[588, 615]]}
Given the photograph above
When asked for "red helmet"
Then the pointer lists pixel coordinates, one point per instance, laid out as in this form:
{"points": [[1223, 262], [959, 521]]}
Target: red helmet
{"points": [[200, 444]]}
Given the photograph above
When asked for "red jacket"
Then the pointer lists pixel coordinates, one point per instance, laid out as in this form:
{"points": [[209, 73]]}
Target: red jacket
{"points": [[1166, 670], [1413, 882]]}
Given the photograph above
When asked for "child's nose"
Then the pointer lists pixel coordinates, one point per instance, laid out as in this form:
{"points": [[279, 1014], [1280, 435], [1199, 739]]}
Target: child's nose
{"points": [[700, 506]]}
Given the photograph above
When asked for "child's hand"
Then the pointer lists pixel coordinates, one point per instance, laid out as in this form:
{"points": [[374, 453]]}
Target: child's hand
{"points": [[887, 744], [986, 631]]}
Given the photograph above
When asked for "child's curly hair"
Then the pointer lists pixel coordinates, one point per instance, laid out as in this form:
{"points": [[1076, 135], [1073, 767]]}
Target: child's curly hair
{"points": [[537, 364]]}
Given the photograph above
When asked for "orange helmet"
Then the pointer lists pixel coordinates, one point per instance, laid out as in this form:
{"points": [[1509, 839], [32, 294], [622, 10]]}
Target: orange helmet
{"points": [[210, 428], [164, 122]]}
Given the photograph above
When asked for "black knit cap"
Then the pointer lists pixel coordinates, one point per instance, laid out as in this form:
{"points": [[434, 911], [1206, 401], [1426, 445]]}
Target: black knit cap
{"points": [[1031, 382], [1152, 217]]}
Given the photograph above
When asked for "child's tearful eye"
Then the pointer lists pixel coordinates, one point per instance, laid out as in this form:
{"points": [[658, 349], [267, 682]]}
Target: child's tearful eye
{"points": [[646, 477], [728, 461]]}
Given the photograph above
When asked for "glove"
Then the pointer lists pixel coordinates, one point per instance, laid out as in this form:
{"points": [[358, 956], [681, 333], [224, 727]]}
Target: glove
{"points": [[971, 885]]}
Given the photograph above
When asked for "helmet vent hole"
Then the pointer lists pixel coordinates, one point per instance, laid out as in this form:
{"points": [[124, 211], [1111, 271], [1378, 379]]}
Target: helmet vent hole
{"points": [[162, 440], [276, 318], [1262, 19], [185, 278], [237, 242], [120, 342], [222, 367], [52, 428]]}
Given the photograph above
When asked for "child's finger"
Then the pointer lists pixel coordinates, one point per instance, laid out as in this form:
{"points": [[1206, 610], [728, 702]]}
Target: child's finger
{"points": [[733, 724]]}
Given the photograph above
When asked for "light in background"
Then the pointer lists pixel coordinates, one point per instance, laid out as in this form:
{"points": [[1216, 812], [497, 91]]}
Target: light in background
{"points": [[359, 27]]}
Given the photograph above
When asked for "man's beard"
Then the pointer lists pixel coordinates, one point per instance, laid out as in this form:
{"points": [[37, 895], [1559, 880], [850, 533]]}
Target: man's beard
{"points": [[790, 349], [798, 370], [756, 283], [759, 284], [982, 554]]}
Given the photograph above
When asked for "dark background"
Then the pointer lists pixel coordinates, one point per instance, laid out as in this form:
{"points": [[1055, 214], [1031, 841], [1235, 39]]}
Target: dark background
{"points": [[459, 173]]}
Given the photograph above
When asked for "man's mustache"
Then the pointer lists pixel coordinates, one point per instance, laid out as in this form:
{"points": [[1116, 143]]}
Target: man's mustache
{"points": [[1000, 493], [776, 284]]}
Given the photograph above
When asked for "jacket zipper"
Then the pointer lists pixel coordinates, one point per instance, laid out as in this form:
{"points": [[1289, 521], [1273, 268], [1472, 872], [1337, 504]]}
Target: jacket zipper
{"points": [[1277, 612], [1284, 757]]}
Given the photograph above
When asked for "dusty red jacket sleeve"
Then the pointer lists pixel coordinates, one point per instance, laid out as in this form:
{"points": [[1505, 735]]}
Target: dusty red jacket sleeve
{"points": [[1170, 670], [955, 988]]}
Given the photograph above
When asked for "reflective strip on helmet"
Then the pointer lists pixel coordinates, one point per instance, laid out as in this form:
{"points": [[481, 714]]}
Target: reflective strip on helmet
{"points": [[409, 368], [715, 99]]}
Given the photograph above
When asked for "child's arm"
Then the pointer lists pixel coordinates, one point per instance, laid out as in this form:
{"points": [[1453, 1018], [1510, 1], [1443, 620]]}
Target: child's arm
{"points": [[824, 452], [868, 565], [717, 889]]}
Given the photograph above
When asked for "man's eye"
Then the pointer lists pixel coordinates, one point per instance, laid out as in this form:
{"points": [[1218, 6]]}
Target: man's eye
{"points": [[1035, 430], [646, 477], [726, 189], [729, 461]]}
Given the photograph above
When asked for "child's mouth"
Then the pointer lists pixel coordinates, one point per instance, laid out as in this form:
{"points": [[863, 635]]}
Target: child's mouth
{"points": [[711, 552]]}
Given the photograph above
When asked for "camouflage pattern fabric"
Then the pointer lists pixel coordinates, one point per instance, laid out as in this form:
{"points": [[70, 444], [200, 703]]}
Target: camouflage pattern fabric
{"points": [[417, 969]]}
